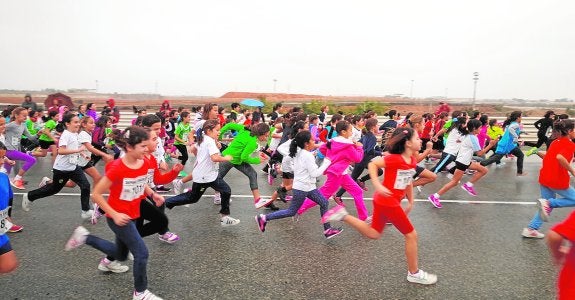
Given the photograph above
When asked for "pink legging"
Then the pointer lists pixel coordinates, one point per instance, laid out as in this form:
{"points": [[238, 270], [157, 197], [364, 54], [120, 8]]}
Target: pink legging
{"points": [[331, 186], [28, 160]]}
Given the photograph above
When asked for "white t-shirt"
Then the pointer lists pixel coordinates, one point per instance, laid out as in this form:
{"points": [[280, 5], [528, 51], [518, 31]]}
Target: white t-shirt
{"points": [[306, 171], [205, 170], [453, 142], [355, 134], [287, 161], [84, 137], [67, 162], [469, 145]]}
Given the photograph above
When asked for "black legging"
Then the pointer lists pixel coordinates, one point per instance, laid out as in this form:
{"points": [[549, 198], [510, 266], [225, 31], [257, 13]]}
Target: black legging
{"points": [[59, 180], [497, 157], [184, 153]]}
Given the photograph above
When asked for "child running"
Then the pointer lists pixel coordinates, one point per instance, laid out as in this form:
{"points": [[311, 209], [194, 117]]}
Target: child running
{"points": [[399, 167], [554, 177], [126, 180], [341, 151], [65, 168], [205, 173], [8, 259], [304, 186], [563, 256], [469, 147], [14, 131]]}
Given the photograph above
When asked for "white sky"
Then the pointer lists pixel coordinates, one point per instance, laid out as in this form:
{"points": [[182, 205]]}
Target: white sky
{"points": [[519, 47]]}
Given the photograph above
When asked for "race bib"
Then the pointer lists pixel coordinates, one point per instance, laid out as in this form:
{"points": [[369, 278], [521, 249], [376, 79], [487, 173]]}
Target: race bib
{"points": [[73, 159], [15, 141], [185, 137], [151, 177], [133, 188], [5, 225], [403, 179]]}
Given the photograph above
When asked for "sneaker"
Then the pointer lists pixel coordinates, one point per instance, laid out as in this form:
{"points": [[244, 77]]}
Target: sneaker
{"points": [[96, 215], [272, 207], [218, 198], [169, 237], [229, 221], [18, 183], [338, 200], [178, 186], [521, 174], [419, 189], [295, 218], [45, 180], [532, 233], [331, 232], [362, 185], [434, 200], [162, 188], [87, 214], [26, 203], [335, 214], [500, 165], [77, 239], [544, 209], [263, 202], [112, 266], [261, 220], [15, 228], [182, 174], [145, 295], [532, 151], [422, 277], [469, 189]]}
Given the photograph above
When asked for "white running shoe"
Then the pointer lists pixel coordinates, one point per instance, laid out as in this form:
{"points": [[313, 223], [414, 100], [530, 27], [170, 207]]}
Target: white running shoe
{"points": [[229, 221], [44, 181], [532, 233], [96, 215], [178, 186], [77, 239], [422, 277], [87, 214], [263, 202], [112, 266], [145, 295], [25, 202]]}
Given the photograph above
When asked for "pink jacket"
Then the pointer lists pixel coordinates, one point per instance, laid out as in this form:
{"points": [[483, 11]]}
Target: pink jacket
{"points": [[342, 153]]}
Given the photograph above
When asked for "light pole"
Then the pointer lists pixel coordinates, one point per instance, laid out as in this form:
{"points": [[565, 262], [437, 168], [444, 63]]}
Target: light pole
{"points": [[96, 86], [411, 90], [475, 79], [275, 82]]}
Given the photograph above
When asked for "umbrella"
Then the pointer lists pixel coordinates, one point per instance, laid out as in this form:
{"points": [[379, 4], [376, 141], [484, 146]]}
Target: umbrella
{"points": [[252, 102], [57, 100]]}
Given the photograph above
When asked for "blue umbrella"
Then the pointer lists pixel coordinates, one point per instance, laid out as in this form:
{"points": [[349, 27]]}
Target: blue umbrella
{"points": [[252, 102]]}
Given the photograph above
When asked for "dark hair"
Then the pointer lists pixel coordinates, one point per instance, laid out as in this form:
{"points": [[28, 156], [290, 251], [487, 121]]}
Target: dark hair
{"points": [[299, 125], [235, 104], [458, 123], [150, 119], [207, 108], [396, 144], [562, 127], [50, 115], [299, 141], [356, 119], [184, 114], [492, 122], [475, 114], [89, 105], [455, 114], [483, 119], [548, 114], [473, 124], [2, 146], [512, 118], [220, 109], [132, 136], [312, 117], [370, 123], [259, 129], [391, 113], [102, 121], [442, 115], [208, 125], [67, 118], [341, 126]]}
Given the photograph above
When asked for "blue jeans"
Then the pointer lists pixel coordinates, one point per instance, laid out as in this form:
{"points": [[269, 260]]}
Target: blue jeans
{"points": [[297, 201], [568, 200], [127, 238]]}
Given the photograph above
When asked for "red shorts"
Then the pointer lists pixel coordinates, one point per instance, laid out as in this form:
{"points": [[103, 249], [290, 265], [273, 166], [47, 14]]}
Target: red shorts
{"points": [[394, 214]]}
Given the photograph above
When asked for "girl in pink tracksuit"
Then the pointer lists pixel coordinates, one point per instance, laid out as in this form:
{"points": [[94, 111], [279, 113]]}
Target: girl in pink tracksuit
{"points": [[342, 152]]}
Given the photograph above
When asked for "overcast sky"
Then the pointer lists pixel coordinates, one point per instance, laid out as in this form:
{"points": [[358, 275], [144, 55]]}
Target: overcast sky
{"points": [[429, 48]]}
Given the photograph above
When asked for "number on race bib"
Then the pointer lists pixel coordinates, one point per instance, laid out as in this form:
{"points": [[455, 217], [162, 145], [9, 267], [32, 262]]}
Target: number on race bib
{"points": [[403, 179]]}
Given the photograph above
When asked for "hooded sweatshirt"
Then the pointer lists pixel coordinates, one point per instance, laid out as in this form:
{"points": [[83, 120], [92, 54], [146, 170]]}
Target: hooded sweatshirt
{"points": [[341, 152], [243, 145]]}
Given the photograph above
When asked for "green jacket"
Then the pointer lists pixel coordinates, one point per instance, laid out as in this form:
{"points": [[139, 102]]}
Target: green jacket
{"points": [[243, 145]]}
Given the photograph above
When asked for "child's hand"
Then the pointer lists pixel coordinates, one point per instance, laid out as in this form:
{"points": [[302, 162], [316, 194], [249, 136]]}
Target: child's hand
{"points": [[408, 208], [10, 162], [358, 144], [158, 199], [121, 219], [177, 167], [429, 145], [228, 157], [263, 157], [383, 190]]}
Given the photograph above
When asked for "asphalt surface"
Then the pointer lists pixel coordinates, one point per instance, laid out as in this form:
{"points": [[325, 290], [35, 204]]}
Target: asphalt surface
{"points": [[473, 244]]}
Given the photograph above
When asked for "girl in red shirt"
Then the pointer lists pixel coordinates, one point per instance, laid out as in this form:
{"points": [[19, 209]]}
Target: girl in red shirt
{"points": [[399, 168], [554, 177], [126, 180]]}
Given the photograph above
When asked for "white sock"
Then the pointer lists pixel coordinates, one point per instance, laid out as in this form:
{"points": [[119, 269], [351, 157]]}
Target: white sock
{"points": [[436, 195], [469, 183], [17, 177]]}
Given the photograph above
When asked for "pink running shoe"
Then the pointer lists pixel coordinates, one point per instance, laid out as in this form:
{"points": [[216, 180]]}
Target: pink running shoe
{"points": [[469, 189], [434, 200], [544, 209], [335, 214], [19, 184], [261, 220]]}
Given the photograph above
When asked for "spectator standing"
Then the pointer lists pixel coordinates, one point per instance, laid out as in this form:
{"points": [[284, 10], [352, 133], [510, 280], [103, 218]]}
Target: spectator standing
{"points": [[29, 103]]}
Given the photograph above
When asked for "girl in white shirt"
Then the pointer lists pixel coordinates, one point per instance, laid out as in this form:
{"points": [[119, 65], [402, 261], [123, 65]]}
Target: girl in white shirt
{"points": [[205, 173], [65, 168], [304, 186]]}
